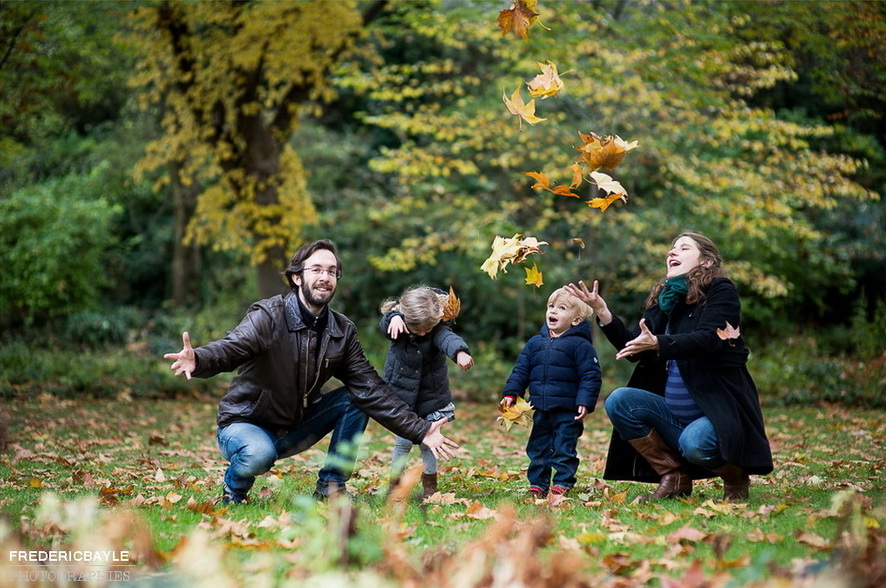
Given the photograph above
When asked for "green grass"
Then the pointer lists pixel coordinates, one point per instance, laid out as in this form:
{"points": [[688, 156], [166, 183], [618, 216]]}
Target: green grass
{"points": [[158, 459]]}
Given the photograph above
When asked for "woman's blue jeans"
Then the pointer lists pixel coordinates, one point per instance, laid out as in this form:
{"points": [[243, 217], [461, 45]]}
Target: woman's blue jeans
{"points": [[253, 450], [552, 447], [635, 412]]}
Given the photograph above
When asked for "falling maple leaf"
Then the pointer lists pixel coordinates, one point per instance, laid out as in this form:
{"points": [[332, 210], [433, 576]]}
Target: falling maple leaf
{"points": [[519, 413], [506, 251], [603, 152], [543, 182], [604, 203], [534, 277], [729, 332], [516, 106], [547, 83], [452, 306], [607, 184], [518, 18], [579, 241]]}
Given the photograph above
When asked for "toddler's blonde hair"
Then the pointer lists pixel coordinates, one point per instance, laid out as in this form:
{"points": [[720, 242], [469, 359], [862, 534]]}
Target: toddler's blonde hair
{"points": [[585, 312], [421, 307]]}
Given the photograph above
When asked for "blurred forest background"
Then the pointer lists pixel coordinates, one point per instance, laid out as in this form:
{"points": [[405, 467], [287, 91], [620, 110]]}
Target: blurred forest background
{"points": [[160, 161]]}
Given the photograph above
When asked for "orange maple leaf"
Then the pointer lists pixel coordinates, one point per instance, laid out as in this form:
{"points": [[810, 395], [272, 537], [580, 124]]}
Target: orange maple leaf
{"points": [[518, 18], [603, 152], [729, 332], [543, 182], [518, 108], [547, 83], [534, 277]]}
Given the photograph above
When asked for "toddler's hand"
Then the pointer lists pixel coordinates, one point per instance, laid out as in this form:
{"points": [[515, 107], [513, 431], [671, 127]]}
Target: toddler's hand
{"points": [[507, 402], [464, 361], [397, 327], [582, 413]]}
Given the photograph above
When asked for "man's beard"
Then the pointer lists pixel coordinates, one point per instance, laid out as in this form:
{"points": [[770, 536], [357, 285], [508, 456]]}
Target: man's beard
{"points": [[309, 296]]}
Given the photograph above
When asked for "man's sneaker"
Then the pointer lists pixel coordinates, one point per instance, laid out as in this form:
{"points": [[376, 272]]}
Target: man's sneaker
{"points": [[229, 497], [537, 493]]}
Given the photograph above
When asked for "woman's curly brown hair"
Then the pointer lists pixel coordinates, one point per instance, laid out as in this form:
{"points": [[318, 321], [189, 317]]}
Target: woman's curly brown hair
{"points": [[700, 277]]}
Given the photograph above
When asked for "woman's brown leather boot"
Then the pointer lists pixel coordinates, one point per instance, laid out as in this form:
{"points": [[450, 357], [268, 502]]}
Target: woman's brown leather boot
{"points": [[736, 483], [428, 485], [666, 463]]}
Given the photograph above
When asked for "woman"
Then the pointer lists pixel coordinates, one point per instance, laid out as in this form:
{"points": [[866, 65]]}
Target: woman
{"points": [[690, 408]]}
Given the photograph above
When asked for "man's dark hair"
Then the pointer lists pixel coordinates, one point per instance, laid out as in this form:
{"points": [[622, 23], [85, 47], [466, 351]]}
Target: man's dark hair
{"points": [[297, 263]]}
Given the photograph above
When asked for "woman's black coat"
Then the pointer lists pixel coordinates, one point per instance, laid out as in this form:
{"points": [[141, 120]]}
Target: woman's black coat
{"points": [[715, 373]]}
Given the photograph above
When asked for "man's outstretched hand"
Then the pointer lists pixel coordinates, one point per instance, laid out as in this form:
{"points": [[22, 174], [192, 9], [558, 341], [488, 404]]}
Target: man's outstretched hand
{"points": [[442, 447], [185, 360]]}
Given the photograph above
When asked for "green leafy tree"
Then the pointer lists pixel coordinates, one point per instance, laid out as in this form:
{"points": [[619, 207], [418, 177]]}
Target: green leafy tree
{"points": [[677, 77]]}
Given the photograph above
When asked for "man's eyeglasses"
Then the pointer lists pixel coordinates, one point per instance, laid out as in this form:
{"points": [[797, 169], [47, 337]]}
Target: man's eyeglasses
{"points": [[316, 271]]}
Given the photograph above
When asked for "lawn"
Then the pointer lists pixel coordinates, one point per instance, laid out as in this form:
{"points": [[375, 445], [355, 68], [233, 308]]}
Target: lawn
{"points": [[142, 477]]}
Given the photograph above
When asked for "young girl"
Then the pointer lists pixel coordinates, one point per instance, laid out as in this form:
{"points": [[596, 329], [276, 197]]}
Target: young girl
{"points": [[415, 368]]}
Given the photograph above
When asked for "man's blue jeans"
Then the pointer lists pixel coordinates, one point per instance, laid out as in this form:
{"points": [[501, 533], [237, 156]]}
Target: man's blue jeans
{"points": [[252, 450], [552, 446], [634, 413]]}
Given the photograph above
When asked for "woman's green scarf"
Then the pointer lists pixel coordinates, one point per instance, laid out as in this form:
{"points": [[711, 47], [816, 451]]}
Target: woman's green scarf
{"points": [[674, 290]]}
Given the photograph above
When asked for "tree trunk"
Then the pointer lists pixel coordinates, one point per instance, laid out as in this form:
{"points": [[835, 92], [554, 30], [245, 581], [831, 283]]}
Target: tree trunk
{"points": [[186, 261], [270, 274]]}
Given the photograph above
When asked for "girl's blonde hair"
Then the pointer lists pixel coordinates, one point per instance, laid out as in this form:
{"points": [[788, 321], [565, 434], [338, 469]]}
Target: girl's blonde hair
{"points": [[421, 307], [584, 310]]}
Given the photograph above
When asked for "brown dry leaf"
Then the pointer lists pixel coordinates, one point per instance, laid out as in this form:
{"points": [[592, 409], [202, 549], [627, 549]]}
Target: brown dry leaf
{"points": [[813, 540], [518, 18], [547, 83], [686, 533], [516, 106], [452, 306], [603, 152]]}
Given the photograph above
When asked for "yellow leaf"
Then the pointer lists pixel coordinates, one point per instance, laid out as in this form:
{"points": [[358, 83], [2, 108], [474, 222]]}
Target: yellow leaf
{"points": [[520, 413], [507, 251], [518, 108], [534, 277], [547, 83]]}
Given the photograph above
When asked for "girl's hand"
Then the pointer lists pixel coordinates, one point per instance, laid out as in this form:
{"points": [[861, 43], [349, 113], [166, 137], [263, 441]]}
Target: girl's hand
{"points": [[582, 413], [397, 327], [645, 341], [464, 361], [593, 299]]}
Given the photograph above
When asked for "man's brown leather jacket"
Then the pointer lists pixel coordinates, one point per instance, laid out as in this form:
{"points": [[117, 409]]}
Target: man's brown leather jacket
{"points": [[281, 371]]}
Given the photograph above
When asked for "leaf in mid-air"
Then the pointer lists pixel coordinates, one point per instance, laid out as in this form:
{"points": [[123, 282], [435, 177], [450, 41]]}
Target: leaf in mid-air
{"points": [[603, 203], [603, 152], [543, 182], [547, 83], [518, 18], [607, 184], [452, 307], [516, 106], [534, 277], [506, 251], [729, 332], [520, 413]]}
